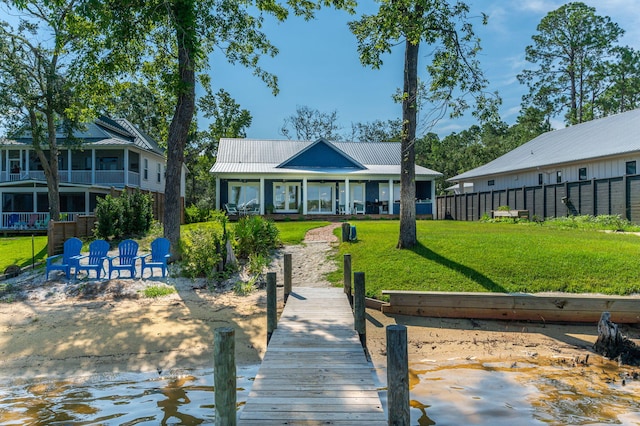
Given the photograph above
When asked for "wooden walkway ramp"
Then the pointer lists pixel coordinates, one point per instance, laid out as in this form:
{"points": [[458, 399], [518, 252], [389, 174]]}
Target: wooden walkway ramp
{"points": [[315, 370]]}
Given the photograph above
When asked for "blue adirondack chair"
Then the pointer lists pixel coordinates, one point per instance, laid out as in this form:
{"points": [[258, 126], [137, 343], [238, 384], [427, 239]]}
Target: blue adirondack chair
{"points": [[69, 257], [159, 256], [126, 258], [98, 250]]}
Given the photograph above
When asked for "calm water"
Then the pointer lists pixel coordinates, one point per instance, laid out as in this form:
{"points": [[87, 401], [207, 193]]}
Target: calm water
{"points": [[544, 392]]}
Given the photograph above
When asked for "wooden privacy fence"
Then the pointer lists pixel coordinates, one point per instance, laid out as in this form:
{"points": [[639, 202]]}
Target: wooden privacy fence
{"points": [[59, 232], [611, 196]]}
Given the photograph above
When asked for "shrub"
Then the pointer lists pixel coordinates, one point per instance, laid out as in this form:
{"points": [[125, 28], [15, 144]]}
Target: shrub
{"points": [[109, 217], [255, 235], [202, 251], [158, 291], [124, 216]]}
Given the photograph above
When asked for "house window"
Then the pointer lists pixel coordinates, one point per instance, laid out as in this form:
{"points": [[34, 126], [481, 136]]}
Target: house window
{"points": [[558, 176], [582, 173], [356, 195], [491, 182], [159, 173], [540, 180], [320, 198], [286, 197], [244, 194], [631, 167], [145, 171]]}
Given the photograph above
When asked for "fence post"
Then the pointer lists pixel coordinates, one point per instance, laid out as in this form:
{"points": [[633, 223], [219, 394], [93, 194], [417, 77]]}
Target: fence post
{"points": [[397, 375], [359, 307], [347, 278], [272, 306], [287, 276], [224, 375], [346, 231]]}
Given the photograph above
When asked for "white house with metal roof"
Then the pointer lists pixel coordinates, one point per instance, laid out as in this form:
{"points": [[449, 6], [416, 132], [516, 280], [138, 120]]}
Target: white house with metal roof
{"points": [[599, 149], [315, 177], [106, 154]]}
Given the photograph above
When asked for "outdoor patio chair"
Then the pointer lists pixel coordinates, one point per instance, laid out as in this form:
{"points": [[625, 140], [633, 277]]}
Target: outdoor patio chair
{"points": [[32, 220], [126, 258], [13, 221], [98, 250], [232, 209], [69, 257], [358, 208], [158, 257]]}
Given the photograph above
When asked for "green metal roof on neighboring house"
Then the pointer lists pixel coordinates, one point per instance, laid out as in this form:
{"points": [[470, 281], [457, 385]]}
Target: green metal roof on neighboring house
{"points": [[614, 135], [102, 131], [284, 156]]}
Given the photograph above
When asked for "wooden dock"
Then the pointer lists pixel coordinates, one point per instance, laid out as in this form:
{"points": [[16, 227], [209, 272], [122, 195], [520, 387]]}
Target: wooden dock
{"points": [[315, 371]]}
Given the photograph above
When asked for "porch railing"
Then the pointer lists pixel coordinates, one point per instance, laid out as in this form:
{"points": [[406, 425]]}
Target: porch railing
{"points": [[35, 221], [102, 177]]}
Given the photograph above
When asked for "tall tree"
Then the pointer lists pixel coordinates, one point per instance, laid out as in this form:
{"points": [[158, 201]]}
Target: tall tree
{"points": [[571, 44], [42, 83], [453, 73], [623, 91], [227, 120], [376, 131], [311, 124], [192, 30]]}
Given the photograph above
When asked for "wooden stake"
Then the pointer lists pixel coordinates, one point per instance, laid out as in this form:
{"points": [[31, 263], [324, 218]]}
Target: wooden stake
{"points": [[272, 306], [224, 375], [397, 375], [359, 310], [287, 276], [347, 278]]}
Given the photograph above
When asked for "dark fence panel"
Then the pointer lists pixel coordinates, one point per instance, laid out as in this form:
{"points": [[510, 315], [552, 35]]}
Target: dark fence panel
{"points": [[614, 196]]}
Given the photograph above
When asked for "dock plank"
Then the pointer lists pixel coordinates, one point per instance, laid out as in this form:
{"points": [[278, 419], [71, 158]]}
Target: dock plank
{"points": [[315, 370]]}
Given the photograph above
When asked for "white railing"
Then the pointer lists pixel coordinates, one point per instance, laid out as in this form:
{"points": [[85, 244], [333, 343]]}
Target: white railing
{"points": [[134, 179], [35, 221], [109, 177]]}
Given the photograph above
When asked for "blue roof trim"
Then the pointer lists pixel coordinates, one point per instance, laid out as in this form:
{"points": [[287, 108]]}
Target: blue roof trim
{"points": [[321, 155]]}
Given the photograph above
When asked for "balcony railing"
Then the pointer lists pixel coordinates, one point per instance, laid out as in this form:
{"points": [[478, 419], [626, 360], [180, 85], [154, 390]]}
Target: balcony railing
{"points": [[33, 221], [102, 177]]}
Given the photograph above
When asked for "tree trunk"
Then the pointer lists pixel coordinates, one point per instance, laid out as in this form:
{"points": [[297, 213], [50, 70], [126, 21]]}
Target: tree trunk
{"points": [[49, 165], [613, 345], [184, 16], [407, 238]]}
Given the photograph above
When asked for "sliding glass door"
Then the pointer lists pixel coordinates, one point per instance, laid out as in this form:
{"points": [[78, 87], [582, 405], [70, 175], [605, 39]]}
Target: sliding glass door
{"points": [[320, 198]]}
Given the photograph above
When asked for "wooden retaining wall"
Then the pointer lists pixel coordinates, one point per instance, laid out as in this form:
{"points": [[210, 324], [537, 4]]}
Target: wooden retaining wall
{"points": [[524, 307], [59, 232]]}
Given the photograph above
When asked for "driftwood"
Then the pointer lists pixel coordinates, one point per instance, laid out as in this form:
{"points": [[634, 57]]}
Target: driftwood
{"points": [[613, 345]]}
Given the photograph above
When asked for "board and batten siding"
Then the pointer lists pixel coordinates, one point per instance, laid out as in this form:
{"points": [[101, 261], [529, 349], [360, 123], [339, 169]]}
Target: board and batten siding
{"points": [[600, 169]]}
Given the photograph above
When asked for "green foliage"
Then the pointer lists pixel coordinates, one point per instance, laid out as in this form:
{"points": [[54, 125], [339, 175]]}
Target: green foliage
{"points": [[504, 208], [601, 222], [257, 263], [129, 215], [242, 288], [473, 256], [196, 214], [109, 216], [255, 235], [570, 49], [158, 291], [202, 251]]}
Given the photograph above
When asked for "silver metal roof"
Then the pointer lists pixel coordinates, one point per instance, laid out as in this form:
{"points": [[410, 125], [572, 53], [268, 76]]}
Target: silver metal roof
{"points": [[263, 156], [613, 135]]}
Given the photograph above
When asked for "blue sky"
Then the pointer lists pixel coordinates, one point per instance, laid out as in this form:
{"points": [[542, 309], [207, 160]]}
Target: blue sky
{"points": [[318, 65]]}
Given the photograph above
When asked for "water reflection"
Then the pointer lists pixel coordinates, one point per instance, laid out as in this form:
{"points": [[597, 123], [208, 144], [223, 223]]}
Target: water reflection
{"points": [[184, 398], [542, 392]]}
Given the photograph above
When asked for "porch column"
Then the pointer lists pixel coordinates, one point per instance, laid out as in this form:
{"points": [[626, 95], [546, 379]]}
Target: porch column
{"points": [[262, 199], [304, 196], [126, 167], [69, 165], [347, 197], [20, 160], [35, 201], [27, 167], [217, 193], [6, 165], [87, 204], [93, 166], [434, 205], [390, 196]]}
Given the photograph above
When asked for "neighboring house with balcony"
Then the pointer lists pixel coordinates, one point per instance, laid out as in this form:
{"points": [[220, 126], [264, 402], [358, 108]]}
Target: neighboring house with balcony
{"points": [[107, 154], [315, 177]]}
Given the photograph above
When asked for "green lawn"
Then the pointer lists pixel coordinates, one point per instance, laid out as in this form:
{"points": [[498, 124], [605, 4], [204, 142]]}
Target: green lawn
{"points": [[18, 250], [290, 232], [473, 256]]}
